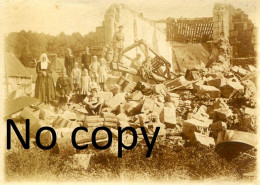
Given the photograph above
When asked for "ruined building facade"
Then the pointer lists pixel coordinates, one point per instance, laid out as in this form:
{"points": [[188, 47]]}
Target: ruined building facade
{"points": [[227, 23]]}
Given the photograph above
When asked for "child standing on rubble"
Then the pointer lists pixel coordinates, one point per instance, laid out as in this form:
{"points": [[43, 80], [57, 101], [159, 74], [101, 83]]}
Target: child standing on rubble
{"points": [[63, 88], [76, 77], [93, 69], [85, 83], [102, 74]]}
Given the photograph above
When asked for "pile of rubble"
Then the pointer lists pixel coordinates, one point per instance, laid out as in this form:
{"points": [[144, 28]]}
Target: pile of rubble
{"points": [[199, 106]]}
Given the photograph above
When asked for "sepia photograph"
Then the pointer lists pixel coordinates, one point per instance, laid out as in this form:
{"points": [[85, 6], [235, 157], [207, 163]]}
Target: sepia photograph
{"points": [[129, 91]]}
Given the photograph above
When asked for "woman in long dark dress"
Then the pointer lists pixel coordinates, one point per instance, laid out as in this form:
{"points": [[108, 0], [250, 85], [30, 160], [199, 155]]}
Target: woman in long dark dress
{"points": [[44, 87]]}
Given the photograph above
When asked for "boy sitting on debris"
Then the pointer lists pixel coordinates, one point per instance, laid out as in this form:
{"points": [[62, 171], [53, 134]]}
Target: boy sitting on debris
{"points": [[93, 102], [63, 88]]}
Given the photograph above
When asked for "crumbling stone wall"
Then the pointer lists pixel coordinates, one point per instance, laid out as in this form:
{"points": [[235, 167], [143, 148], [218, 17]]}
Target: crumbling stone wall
{"points": [[241, 33], [136, 27]]}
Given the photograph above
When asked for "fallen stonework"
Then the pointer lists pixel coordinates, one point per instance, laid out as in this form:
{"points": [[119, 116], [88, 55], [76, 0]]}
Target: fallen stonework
{"points": [[185, 94]]}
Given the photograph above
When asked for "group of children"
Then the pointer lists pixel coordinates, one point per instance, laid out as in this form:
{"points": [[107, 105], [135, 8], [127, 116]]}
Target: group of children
{"points": [[81, 81]]}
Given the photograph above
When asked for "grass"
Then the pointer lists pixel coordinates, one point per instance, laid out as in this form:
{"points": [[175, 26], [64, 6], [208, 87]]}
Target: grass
{"points": [[167, 163]]}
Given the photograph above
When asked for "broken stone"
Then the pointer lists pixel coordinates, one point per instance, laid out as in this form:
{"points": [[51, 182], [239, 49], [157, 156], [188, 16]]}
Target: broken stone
{"points": [[160, 89], [122, 117], [45, 114], [28, 113], [218, 126], [157, 109], [123, 124], [192, 75], [93, 124], [193, 125], [251, 68], [148, 105], [63, 147], [110, 124], [205, 91], [217, 82], [181, 81], [249, 117], [106, 96], [173, 98], [145, 88], [250, 91], [132, 107], [130, 86], [143, 119], [116, 101], [61, 122], [232, 87], [168, 116], [203, 139], [240, 71], [70, 115], [35, 123], [201, 115], [93, 119], [137, 95], [219, 110]]}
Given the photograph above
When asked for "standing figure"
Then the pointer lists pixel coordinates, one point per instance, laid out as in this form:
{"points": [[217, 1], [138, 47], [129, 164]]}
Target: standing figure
{"points": [[86, 59], [76, 77], [85, 82], [44, 87], [63, 88], [137, 63], [146, 69], [118, 43], [69, 61], [93, 69], [102, 74]]}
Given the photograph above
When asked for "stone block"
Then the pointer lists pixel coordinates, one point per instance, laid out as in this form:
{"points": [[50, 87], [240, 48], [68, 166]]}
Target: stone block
{"points": [[219, 110], [116, 101], [129, 87], [203, 139], [193, 125], [217, 82], [157, 109], [106, 96], [168, 116], [232, 87], [240, 71], [204, 91], [160, 89], [137, 95], [143, 119], [148, 105], [180, 81], [132, 107], [218, 126]]}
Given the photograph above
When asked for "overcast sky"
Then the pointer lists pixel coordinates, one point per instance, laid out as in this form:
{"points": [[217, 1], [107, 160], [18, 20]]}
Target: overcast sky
{"points": [[82, 16]]}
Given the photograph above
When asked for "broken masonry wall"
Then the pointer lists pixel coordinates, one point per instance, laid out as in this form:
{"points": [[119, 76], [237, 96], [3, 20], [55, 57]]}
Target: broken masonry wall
{"points": [[233, 24], [136, 27], [242, 31]]}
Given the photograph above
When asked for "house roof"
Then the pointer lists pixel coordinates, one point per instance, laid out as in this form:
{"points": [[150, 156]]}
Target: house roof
{"points": [[32, 71], [13, 67]]}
